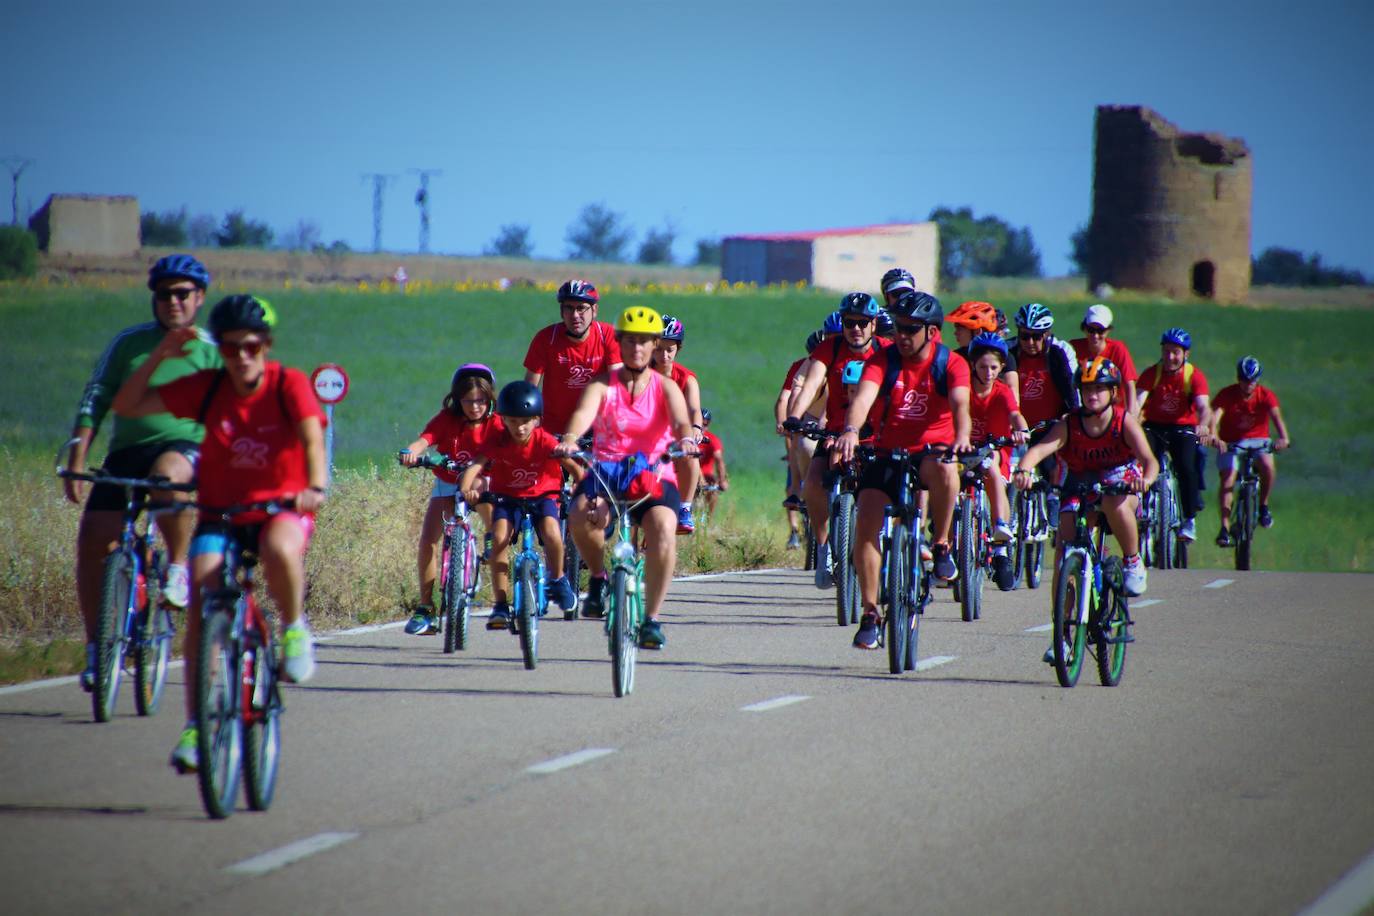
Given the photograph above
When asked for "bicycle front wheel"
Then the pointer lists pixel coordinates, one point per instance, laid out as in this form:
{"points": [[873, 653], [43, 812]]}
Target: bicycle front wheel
{"points": [[220, 738], [842, 545], [898, 584], [970, 561], [572, 568], [111, 639], [152, 659], [526, 579], [461, 566], [1066, 629], [1245, 527], [261, 726], [624, 633]]}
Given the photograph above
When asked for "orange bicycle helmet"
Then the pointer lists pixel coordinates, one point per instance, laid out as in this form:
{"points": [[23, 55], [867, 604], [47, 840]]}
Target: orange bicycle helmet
{"points": [[976, 316]]}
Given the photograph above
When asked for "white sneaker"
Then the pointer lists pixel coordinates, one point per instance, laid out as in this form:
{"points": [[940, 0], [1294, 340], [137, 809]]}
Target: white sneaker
{"points": [[298, 653], [1135, 577], [1188, 531], [177, 589], [1049, 653], [1001, 532]]}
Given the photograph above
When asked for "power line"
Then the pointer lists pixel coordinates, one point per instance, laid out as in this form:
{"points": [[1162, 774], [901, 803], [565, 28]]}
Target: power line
{"points": [[16, 166], [422, 201], [379, 181]]}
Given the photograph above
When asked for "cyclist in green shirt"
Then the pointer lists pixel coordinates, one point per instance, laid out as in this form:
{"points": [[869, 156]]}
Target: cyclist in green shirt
{"points": [[154, 445]]}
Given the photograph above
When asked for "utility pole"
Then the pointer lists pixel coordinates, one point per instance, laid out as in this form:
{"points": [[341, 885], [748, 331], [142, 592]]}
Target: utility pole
{"points": [[422, 201], [379, 181], [16, 166]]}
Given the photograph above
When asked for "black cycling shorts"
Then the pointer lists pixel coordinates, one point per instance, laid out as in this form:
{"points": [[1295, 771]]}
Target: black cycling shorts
{"points": [[135, 461]]}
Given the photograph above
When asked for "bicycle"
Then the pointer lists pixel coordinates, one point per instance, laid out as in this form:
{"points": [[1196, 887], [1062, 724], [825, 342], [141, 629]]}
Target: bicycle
{"points": [[906, 580], [625, 612], [701, 503], [133, 619], [1030, 525], [528, 580], [572, 560], [972, 522], [238, 700], [459, 566], [843, 511], [1091, 602], [1245, 508], [1159, 521]]}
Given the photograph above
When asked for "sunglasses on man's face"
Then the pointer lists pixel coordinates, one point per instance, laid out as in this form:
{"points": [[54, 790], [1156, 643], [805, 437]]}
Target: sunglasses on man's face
{"points": [[179, 293], [852, 323], [1032, 335], [249, 348], [907, 329]]}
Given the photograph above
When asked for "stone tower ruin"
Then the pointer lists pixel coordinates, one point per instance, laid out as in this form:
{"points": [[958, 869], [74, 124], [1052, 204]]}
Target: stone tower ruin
{"points": [[1171, 210]]}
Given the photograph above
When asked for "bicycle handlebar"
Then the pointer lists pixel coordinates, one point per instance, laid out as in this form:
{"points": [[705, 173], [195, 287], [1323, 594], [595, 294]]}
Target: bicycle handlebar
{"points": [[99, 475], [270, 506]]}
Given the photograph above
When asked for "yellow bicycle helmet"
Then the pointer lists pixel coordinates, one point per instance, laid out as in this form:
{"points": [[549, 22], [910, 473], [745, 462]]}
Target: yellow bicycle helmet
{"points": [[638, 319]]}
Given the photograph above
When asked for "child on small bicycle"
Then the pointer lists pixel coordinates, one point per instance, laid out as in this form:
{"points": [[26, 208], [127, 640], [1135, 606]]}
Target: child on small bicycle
{"points": [[456, 432], [1101, 442], [522, 466], [264, 441], [993, 414], [1241, 414], [712, 458]]}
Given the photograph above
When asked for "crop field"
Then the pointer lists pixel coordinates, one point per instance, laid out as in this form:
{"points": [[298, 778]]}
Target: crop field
{"points": [[400, 347]]}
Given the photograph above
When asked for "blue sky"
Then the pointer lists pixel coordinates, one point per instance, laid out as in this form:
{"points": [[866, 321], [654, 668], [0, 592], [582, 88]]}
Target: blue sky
{"points": [[721, 118]]}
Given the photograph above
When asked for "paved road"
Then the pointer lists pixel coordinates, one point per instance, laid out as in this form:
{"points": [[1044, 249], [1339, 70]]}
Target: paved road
{"points": [[1230, 773]]}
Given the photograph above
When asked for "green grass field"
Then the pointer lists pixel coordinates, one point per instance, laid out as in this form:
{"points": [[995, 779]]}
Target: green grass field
{"points": [[400, 349]]}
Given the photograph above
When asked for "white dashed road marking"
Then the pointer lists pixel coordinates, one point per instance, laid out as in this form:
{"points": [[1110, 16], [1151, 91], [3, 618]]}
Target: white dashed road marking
{"points": [[1348, 896], [570, 760], [773, 703], [926, 664], [1042, 628], [1147, 602], [1219, 583], [291, 852]]}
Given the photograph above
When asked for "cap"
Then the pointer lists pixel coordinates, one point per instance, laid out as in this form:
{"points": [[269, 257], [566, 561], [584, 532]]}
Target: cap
{"points": [[1099, 315]]}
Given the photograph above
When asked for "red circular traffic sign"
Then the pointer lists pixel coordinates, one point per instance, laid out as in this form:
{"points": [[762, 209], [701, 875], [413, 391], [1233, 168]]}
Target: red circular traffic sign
{"points": [[331, 383]]}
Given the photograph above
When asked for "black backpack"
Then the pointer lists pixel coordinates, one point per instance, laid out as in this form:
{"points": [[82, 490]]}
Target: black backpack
{"points": [[939, 374]]}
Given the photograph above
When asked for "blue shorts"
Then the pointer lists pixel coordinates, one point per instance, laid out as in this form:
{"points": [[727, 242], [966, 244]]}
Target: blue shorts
{"points": [[509, 508]]}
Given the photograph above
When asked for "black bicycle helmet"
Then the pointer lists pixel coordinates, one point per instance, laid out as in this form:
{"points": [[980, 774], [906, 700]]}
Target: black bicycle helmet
{"points": [[897, 278], [520, 399], [241, 312], [917, 306]]}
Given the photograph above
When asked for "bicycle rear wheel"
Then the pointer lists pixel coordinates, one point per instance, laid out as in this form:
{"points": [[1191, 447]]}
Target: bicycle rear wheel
{"points": [[1066, 631], [842, 541], [152, 659], [970, 561], [111, 639], [572, 568], [461, 565], [1245, 526], [898, 585], [811, 548], [525, 580], [1113, 634], [624, 634], [261, 726], [220, 738]]}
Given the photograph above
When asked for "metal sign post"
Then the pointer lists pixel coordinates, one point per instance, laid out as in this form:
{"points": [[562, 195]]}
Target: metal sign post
{"points": [[331, 387]]}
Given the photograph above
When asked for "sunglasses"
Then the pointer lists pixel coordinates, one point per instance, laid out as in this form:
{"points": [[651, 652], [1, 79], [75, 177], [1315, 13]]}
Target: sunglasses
{"points": [[180, 294], [1095, 329], [1031, 335], [902, 327], [249, 348], [852, 323]]}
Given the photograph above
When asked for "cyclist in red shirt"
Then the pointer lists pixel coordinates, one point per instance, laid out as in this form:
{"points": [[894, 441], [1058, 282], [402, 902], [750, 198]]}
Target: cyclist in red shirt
{"points": [[712, 457], [665, 361], [915, 414], [456, 432], [859, 314], [264, 440], [563, 357], [1241, 414], [520, 460], [799, 449], [1097, 324], [993, 414], [1173, 393], [973, 318]]}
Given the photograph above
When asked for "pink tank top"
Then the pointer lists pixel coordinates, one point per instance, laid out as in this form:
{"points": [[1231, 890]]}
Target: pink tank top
{"points": [[627, 425]]}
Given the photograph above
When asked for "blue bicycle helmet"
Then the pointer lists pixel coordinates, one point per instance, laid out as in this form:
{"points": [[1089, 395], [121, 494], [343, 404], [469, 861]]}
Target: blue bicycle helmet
{"points": [[986, 341], [520, 399], [673, 330], [813, 340], [853, 371], [861, 304], [833, 323], [178, 267], [884, 328], [1248, 369], [1178, 337]]}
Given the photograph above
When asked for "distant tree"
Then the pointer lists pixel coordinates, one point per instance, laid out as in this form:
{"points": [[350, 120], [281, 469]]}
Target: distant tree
{"points": [[987, 246], [331, 255], [200, 230], [238, 231], [1286, 267], [512, 241], [18, 253], [1080, 253], [167, 228], [657, 247], [304, 236], [708, 252], [597, 235]]}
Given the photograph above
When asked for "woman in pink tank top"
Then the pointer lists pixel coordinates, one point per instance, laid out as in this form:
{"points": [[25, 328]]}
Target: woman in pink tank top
{"points": [[631, 409]]}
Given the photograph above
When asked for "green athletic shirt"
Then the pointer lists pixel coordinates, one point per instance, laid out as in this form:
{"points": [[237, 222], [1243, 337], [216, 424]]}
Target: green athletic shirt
{"points": [[126, 353]]}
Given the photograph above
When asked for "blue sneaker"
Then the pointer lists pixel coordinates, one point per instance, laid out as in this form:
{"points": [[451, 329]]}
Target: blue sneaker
{"points": [[1266, 518], [684, 520], [561, 591], [869, 632], [944, 568], [651, 635], [88, 676], [421, 622], [500, 617]]}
